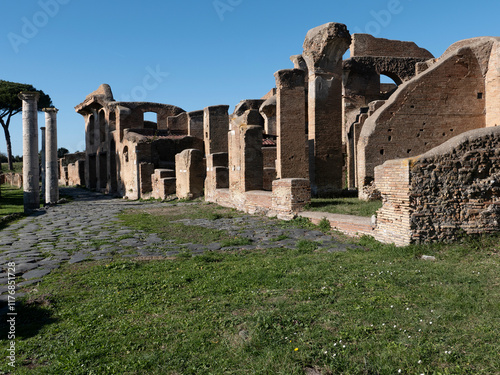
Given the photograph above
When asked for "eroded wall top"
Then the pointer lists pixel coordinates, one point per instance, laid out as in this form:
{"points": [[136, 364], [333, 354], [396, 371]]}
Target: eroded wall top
{"points": [[367, 45]]}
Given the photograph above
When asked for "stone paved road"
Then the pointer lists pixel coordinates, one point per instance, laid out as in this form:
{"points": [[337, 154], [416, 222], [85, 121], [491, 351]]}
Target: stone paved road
{"points": [[87, 229]]}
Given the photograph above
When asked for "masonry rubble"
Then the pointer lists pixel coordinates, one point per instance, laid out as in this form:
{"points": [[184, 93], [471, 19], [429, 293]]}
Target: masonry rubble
{"points": [[329, 124]]}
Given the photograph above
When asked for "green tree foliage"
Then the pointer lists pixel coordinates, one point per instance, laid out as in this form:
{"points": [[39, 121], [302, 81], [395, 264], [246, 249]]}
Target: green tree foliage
{"points": [[62, 151], [11, 105]]}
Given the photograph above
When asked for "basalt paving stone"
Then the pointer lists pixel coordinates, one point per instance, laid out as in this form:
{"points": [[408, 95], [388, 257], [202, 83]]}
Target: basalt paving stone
{"points": [[29, 282], [77, 258], [36, 274], [52, 264], [24, 267]]}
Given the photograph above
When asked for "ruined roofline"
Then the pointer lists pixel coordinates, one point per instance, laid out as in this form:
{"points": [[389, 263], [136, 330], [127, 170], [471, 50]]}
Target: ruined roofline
{"points": [[366, 45], [103, 97]]}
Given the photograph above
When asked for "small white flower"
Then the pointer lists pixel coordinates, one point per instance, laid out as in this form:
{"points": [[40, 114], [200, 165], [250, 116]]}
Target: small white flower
{"points": [[394, 326], [343, 346], [392, 306], [419, 361], [326, 352], [399, 371], [335, 344], [430, 322], [407, 308]]}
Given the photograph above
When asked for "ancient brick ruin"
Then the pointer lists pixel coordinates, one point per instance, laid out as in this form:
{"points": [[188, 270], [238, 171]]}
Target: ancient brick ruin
{"points": [[329, 124]]}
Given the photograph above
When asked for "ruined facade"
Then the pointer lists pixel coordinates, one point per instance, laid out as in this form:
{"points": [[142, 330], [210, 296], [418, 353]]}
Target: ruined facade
{"points": [[126, 155], [329, 124]]}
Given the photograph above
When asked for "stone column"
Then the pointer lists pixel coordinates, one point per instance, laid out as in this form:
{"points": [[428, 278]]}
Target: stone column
{"points": [[324, 48], [51, 167], [31, 174], [292, 156], [43, 156]]}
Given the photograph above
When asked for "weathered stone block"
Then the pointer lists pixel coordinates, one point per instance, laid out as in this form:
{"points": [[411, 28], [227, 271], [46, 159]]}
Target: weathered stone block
{"points": [[190, 174], [289, 196]]}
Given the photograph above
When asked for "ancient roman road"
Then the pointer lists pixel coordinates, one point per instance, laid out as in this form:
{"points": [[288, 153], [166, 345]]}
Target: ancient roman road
{"points": [[87, 229]]}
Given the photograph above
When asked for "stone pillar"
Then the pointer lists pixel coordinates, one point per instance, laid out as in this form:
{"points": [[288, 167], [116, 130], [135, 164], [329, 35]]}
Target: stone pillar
{"points": [[292, 155], [324, 48], [51, 167], [43, 157], [189, 173], [31, 174], [215, 128]]}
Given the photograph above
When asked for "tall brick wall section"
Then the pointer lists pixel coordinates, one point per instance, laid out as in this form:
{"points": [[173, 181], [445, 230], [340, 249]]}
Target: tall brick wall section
{"points": [[215, 128], [493, 87], [450, 190], [445, 100], [292, 159]]}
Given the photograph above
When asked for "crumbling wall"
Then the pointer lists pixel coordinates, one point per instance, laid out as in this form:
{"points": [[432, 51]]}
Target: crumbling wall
{"points": [[448, 191], [13, 179], [72, 169], [445, 100]]}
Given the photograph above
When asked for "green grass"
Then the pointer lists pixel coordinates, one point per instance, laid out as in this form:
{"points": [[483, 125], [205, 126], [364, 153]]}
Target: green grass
{"points": [[269, 312], [165, 222], [345, 206], [11, 201], [18, 167], [373, 310]]}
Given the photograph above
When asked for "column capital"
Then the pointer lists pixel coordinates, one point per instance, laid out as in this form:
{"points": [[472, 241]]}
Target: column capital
{"points": [[29, 95], [42, 128], [51, 109]]}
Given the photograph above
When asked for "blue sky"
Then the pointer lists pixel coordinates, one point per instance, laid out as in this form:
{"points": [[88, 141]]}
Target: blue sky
{"points": [[195, 53]]}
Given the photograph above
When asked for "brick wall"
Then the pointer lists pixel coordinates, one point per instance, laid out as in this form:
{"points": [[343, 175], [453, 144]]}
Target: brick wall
{"points": [[450, 190], [393, 219], [445, 100], [493, 87]]}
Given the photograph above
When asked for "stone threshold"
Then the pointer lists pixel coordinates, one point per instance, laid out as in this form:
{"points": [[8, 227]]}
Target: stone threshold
{"points": [[354, 226]]}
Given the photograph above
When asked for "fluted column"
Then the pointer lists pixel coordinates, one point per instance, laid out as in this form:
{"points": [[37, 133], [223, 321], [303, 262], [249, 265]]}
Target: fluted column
{"points": [[51, 165], [31, 174]]}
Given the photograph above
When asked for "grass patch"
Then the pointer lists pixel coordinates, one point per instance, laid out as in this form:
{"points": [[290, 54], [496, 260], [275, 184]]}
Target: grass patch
{"points": [[11, 201], [345, 206], [18, 167], [269, 312], [164, 222]]}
